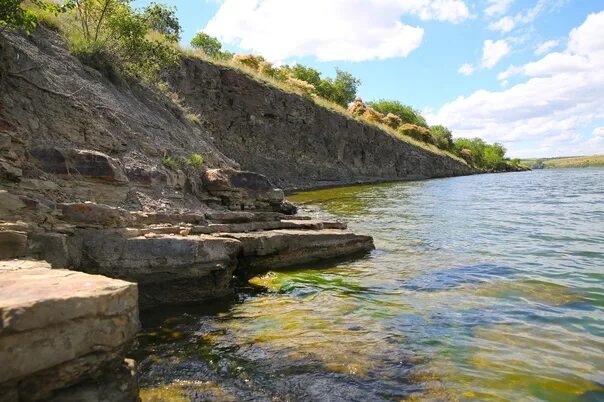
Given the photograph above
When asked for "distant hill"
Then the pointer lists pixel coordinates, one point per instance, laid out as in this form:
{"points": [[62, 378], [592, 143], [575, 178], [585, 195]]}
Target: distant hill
{"points": [[565, 162]]}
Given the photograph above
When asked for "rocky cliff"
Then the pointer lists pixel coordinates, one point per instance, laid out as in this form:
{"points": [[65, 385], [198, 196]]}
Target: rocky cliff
{"points": [[294, 142]]}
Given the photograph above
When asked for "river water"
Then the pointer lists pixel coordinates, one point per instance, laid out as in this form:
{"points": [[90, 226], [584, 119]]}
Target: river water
{"points": [[487, 287]]}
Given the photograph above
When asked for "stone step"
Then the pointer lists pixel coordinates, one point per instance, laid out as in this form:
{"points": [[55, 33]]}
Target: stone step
{"points": [[169, 269], [263, 251], [60, 327]]}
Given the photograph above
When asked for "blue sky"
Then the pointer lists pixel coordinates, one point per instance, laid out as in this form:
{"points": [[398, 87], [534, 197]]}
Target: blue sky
{"points": [[526, 73]]}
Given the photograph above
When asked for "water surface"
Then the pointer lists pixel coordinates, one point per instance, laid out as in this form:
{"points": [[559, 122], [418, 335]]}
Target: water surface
{"points": [[487, 287]]}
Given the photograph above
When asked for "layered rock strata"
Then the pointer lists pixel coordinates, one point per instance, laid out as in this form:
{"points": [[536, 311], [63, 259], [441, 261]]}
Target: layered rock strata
{"points": [[63, 335]]}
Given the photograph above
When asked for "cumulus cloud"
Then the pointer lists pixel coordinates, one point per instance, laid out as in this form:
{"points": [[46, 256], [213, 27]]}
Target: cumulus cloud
{"points": [[550, 110], [546, 46], [353, 30], [497, 7], [493, 52]]}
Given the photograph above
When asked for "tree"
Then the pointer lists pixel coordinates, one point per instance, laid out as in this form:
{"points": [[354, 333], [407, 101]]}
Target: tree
{"points": [[406, 113], [162, 19], [344, 88], [115, 35], [207, 44]]}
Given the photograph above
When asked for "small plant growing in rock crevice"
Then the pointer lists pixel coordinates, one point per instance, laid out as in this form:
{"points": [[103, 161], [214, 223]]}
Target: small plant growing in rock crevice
{"points": [[172, 162], [195, 161]]}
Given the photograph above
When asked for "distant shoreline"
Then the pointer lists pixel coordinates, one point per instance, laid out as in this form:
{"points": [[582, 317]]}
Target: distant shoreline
{"points": [[565, 162]]}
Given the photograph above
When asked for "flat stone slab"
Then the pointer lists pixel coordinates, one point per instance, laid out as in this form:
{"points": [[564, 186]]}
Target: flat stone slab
{"points": [[262, 251], [50, 317]]}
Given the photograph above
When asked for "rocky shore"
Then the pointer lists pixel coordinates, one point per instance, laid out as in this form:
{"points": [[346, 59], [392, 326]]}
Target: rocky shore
{"points": [[100, 214]]}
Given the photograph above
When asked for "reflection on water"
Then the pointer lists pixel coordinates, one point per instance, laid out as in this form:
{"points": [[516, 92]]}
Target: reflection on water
{"points": [[487, 288]]}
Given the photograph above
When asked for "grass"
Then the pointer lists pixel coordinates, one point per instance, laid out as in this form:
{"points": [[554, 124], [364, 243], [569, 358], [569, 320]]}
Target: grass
{"points": [[568, 162]]}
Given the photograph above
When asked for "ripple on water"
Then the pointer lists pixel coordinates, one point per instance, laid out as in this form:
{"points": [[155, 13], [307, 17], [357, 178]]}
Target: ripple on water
{"points": [[486, 288]]}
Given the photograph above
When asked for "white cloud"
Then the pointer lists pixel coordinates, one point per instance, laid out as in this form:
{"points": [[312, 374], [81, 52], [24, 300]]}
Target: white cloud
{"points": [[466, 69], [493, 52], [506, 24], [497, 7], [546, 46], [546, 114], [329, 30]]}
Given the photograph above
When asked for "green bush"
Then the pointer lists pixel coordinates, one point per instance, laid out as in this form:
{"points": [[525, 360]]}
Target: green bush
{"points": [[406, 113], [341, 90], [483, 155], [443, 136], [195, 161]]}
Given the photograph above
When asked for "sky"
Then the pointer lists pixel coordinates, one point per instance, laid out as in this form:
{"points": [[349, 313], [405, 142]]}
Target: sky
{"points": [[528, 74]]}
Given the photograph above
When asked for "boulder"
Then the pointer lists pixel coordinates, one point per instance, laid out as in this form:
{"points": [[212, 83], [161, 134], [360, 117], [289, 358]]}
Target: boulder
{"points": [[60, 328]]}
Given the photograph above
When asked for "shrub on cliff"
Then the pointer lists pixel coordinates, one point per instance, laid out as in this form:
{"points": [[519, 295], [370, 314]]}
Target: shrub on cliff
{"points": [[443, 136], [406, 113], [13, 14], [341, 90], [418, 132], [392, 120], [481, 154]]}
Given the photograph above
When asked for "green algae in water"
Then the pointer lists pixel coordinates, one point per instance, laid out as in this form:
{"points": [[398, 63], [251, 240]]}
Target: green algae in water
{"points": [[484, 288]]}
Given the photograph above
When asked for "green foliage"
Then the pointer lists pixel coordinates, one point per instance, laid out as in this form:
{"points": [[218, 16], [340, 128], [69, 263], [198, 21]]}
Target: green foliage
{"points": [[486, 156], [195, 161], [210, 46], [114, 37], [172, 162], [162, 19], [406, 113], [341, 90], [13, 15], [443, 136], [303, 73]]}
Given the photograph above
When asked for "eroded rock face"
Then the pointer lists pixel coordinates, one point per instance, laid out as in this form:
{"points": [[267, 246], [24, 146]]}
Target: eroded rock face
{"points": [[60, 329], [295, 143]]}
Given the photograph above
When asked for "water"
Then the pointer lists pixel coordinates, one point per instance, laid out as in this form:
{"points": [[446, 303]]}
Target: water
{"points": [[487, 287]]}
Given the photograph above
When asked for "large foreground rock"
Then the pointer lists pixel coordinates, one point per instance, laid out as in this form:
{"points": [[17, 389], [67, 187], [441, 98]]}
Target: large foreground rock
{"points": [[61, 329]]}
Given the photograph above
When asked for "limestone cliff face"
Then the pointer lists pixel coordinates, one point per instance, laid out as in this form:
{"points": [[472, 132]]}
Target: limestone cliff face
{"points": [[294, 142]]}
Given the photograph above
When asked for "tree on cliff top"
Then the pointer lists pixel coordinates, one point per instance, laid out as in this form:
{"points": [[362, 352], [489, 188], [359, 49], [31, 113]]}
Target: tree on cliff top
{"points": [[210, 46]]}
